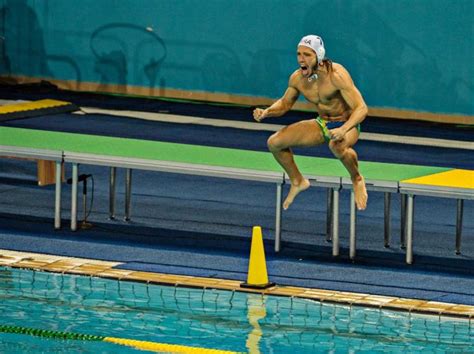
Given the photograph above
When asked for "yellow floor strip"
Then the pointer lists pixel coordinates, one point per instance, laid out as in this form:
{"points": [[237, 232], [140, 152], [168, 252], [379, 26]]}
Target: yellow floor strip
{"points": [[161, 347], [28, 106], [453, 178]]}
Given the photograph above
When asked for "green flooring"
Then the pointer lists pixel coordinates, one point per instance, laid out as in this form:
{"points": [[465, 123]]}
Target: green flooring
{"points": [[196, 154]]}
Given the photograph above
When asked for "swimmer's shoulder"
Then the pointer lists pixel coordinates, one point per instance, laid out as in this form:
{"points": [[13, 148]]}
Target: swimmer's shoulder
{"points": [[339, 75], [338, 70]]}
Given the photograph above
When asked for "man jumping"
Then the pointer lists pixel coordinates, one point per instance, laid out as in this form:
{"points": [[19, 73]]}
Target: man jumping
{"points": [[340, 108]]}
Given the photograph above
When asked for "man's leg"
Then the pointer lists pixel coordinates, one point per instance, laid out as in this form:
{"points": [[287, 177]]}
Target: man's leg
{"points": [[302, 134], [343, 151]]}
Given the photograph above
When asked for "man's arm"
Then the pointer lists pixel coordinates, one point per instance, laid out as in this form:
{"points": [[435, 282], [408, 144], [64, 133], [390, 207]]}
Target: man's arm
{"points": [[279, 107], [343, 81]]}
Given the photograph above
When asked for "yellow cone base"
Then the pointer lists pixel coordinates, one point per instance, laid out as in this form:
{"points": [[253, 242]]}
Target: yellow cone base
{"points": [[257, 286]]}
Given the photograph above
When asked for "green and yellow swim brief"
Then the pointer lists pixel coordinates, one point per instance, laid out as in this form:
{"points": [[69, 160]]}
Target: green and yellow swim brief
{"points": [[326, 125]]}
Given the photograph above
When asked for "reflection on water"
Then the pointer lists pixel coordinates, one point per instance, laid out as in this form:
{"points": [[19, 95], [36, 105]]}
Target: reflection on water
{"points": [[215, 319]]}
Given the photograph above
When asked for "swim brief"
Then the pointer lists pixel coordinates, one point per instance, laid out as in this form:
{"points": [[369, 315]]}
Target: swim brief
{"points": [[326, 125]]}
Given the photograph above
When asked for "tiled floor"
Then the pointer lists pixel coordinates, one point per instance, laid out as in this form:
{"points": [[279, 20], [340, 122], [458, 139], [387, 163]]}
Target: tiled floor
{"points": [[103, 269]]}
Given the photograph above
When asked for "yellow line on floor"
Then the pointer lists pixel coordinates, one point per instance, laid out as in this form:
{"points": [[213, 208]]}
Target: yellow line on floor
{"points": [[28, 106]]}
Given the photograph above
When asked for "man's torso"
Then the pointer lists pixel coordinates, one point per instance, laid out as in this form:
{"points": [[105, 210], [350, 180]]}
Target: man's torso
{"points": [[328, 99]]}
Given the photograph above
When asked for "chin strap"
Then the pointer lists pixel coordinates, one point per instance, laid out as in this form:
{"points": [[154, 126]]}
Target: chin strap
{"points": [[313, 77]]}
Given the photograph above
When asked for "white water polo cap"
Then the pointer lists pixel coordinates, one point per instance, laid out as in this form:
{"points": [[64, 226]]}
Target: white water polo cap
{"points": [[315, 43]]}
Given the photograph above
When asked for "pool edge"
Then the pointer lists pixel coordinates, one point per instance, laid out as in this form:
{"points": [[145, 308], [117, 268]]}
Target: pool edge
{"points": [[105, 269]]}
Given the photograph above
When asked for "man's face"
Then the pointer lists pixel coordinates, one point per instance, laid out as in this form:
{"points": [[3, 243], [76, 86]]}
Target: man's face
{"points": [[307, 60]]}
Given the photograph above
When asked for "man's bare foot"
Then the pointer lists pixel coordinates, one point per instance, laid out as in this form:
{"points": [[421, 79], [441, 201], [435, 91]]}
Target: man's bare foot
{"points": [[294, 190], [360, 193]]}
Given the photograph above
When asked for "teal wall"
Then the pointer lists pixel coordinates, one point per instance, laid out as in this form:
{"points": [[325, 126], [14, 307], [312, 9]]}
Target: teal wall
{"points": [[406, 54]]}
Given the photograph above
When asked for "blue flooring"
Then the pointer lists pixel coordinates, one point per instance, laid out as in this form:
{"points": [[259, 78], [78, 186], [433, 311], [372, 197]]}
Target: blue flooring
{"points": [[223, 111], [202, 226]]}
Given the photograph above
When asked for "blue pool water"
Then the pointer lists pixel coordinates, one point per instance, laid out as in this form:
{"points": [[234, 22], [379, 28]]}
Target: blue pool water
{"points": [[205, 318]]}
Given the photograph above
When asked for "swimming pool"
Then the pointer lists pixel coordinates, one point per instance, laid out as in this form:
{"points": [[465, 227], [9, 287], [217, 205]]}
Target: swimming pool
{"points": [[215, 319]]}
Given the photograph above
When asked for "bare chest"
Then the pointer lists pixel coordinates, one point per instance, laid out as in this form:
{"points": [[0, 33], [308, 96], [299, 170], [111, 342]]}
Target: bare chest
{"points": [[319, 91]]}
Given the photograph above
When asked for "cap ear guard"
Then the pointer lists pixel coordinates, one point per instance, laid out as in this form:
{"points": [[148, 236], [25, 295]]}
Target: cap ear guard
{"points": [[320, 53]]}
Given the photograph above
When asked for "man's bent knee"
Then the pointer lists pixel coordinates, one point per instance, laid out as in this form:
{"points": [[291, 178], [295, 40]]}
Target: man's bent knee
{"points": [[274, 143], [337, 148]]}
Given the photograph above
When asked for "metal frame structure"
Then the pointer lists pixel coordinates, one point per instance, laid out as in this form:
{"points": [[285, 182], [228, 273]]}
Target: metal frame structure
{"points": [[387, 187], [410, 190], [170, 167], [334, 184], [40, 154]]}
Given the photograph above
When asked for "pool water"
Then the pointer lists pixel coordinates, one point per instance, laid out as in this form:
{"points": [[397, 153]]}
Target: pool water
{"points": [[214, 319]]}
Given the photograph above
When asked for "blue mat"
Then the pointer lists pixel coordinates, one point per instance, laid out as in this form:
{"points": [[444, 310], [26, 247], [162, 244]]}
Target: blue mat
{"points": [[223, 111], [221, 256]]}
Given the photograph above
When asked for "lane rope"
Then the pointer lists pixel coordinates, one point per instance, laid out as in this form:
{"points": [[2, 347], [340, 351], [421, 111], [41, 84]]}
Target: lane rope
{"points": [[138, 344]]}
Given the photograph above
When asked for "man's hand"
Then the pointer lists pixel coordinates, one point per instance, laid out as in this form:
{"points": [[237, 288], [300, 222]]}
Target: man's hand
{"points": [[259, 114], [337, 134]]}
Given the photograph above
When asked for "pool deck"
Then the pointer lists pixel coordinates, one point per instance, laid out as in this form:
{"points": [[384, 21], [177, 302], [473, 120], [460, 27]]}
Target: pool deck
{"points": [[159, 243], [104, 269]]}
